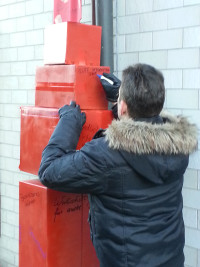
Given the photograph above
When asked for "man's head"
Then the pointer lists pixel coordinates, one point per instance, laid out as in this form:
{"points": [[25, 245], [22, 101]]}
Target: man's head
{"points": [[142, 92]]}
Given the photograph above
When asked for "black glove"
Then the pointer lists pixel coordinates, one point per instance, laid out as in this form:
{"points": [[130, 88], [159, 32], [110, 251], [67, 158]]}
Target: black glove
{"points": [[99, 133], [75, 109], [112, 91]]}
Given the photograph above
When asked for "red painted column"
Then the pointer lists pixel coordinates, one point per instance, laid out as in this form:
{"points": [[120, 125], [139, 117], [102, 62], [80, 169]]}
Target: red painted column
{"points": [[53, 227]]}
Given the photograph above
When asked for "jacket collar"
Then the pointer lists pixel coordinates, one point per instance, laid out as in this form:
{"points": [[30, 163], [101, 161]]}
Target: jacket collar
{"points": [[153, 120], [165, 134]]}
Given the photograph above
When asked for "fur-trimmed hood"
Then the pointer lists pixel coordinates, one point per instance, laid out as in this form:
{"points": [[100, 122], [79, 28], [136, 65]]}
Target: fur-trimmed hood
{"points": [[176, 135]]}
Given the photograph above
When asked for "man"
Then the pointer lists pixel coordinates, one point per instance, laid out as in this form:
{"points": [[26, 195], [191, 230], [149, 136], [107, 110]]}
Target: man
{"points": [[133, 173]]}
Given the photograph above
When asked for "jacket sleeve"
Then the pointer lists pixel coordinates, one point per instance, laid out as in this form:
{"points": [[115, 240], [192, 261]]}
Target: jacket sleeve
{"points": [[65, 169]]}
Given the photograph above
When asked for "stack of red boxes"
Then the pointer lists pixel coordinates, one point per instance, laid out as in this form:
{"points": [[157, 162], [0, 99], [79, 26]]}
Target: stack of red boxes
{"points": [[53, 227]]}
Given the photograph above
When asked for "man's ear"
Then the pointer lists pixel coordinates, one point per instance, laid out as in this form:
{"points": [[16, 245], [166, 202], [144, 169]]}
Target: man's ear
{"points": [[124, 108]]}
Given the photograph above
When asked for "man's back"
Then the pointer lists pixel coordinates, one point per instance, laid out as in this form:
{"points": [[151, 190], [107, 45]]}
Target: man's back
{"points": [[139, 214], [135, 198]]}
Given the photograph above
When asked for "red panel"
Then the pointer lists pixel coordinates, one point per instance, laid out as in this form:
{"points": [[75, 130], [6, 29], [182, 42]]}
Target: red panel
{"points": [[52, 98], [50, 222], [56, 74], [32, 222], [67, 10], [57, 85], [37, 125], [64, 228], [72, 43]]}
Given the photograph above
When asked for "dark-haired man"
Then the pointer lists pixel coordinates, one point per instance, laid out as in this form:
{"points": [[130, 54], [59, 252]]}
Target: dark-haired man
{"points": [[133, 173]]}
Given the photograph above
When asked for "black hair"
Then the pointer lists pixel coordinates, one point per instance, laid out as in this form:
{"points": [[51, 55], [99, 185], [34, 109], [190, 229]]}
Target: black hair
{"points": [[143, 90]]}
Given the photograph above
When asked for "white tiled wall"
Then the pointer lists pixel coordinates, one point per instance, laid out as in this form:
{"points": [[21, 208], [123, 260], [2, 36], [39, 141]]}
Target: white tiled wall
{"points": [[164, 33], [21, 50]]}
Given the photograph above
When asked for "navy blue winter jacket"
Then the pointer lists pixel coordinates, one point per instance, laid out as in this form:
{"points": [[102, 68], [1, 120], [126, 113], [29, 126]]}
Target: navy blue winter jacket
{"points": [[134, 177]]}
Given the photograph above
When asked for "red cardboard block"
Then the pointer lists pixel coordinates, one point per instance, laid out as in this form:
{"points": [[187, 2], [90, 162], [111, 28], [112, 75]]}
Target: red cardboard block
{"points": [[51, 228], [37, 125], [67, 10], [72, 43], [57, 85]]}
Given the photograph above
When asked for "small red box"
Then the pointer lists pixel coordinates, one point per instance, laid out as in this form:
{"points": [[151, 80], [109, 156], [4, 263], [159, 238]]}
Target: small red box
{"points": [[72, 43], [37, 125], [57, 85], [52, 225], [67, 10]]}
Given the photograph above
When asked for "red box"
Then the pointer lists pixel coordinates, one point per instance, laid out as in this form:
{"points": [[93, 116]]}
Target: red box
{"points": [[37, 125], [52, 225], [57, 85], [72, 43], [68, 10]]}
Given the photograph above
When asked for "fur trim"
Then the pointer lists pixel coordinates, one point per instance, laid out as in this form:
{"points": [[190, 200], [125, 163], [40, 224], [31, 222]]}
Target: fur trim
{"points": [[175, 136]]}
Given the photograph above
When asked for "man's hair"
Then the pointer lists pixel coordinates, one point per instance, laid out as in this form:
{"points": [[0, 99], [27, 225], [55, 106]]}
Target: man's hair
{"points": [[143, 90]]}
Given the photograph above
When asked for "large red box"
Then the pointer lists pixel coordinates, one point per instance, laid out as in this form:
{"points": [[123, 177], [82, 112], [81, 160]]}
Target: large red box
{"points": [[57, 85], [37, 125], [72, 43], [53, 228]]}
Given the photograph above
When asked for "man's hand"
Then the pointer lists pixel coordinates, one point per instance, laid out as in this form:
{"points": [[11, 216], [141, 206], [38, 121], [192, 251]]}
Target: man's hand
{"points": [[112, 91], [75, 109]]}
